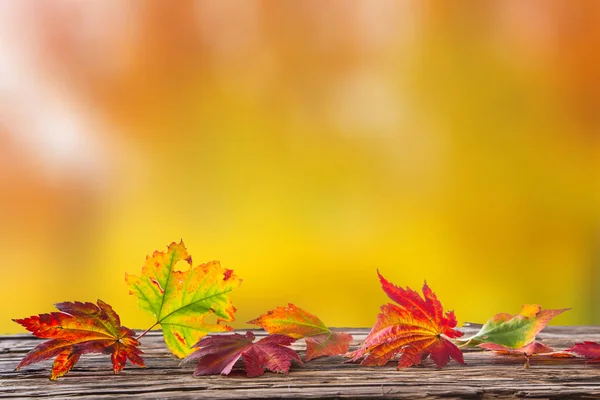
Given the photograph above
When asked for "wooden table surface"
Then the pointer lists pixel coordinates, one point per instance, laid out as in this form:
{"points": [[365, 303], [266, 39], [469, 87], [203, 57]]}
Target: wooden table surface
{"points": [[486, 375]]}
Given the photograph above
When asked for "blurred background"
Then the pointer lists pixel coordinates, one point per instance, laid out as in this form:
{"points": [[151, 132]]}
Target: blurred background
{"points": [[304, 144]]}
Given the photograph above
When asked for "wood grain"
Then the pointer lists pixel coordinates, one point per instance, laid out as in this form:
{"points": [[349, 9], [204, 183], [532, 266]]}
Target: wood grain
{"points": [[486, 375]]}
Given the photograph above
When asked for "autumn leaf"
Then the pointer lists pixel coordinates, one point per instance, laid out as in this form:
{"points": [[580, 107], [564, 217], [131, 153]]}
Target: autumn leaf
{"points": [[414, 328], [532, 349], [181, 300], [217, 354], [515, 331], [295, 322], [586, 349], [80, 328]]}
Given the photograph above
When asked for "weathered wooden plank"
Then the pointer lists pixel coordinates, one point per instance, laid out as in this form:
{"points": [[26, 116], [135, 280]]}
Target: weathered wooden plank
{"points": [[485, 376]]}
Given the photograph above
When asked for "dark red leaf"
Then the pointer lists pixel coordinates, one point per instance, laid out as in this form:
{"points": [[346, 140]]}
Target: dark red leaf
{"points": [[589, 350], [217, 354]]}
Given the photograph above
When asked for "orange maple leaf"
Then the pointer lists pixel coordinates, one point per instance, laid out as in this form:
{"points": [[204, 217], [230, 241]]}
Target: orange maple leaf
{"points": [[80, 328], [297, 323], [414, 328]]}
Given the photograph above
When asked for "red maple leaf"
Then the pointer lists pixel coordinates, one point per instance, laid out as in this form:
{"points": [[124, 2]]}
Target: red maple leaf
{"points": [[217, 354], [414, 328], [80, 328], [586, 349]]}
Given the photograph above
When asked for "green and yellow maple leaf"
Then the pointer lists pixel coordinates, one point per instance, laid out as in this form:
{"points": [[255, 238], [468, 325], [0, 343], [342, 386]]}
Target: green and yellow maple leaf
{"points": [[181, 300], [515, 331]]}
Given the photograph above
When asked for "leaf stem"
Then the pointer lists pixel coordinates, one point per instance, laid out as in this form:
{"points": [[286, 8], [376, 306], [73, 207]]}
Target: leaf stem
{"points": [[146, 331], [465, 343]]}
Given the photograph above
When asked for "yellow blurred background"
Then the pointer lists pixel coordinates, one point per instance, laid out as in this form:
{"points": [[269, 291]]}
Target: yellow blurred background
{"points": [[304, 144]]}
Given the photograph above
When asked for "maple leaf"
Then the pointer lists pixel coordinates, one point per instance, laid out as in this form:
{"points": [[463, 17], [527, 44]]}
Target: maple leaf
{"points": [[414, 328], [295, 322], [181, 300], [217, 354], [587, 349], [532, 349], [80, 328], [515, 331]]}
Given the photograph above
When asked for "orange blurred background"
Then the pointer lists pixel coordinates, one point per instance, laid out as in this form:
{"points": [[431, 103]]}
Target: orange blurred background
{"points": [[304, 144]]}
